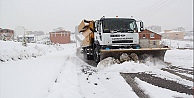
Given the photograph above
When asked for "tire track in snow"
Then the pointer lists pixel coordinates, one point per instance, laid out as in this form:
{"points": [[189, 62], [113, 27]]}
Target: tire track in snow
{"points": [[59, 88], [174, 69], [182, 76], [140, 93], [157, 81], [179, 69], [62, 68]]}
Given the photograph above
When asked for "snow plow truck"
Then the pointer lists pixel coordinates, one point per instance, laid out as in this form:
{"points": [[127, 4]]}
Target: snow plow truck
{"points": [[111, 37]]}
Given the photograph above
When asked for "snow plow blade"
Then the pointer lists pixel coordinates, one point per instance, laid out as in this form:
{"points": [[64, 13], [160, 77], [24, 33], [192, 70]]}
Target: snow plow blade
{"points": [[154, 52]]}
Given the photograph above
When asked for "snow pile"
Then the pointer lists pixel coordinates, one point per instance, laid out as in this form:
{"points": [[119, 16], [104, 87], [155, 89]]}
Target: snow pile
{"points": [[15, 51], [123, 58], [130, 67], [154, 62], [131, 60], [107, 62]]}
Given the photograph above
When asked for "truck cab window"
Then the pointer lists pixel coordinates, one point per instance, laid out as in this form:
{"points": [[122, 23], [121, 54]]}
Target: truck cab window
{"points": [[119, 25], [99, 27]]}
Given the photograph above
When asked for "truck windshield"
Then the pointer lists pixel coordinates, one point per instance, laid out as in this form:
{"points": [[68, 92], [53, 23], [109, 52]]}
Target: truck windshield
{"points": [[119, 25]]}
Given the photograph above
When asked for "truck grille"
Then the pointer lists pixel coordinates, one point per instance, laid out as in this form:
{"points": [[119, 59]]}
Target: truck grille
{"points": [[117, 35], [123, 41]]}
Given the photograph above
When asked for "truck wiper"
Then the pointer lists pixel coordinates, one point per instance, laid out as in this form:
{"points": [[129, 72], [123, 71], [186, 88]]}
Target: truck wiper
{"points": [[130, 31], [116, 30], [127, 30]]}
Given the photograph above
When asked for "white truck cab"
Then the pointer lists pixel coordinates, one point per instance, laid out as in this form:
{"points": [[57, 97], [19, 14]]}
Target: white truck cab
{"points": [[116, 32]]}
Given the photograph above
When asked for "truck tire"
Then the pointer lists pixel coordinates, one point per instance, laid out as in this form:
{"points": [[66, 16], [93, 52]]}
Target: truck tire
{"points": [[96, 55], [90, 57], [87, 56]]}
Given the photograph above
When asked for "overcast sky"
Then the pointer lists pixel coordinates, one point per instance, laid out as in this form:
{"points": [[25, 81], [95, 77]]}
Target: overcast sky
{"points": [[47, 15]]}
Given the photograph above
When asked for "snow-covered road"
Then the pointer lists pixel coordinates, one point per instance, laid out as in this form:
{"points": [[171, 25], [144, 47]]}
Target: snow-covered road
{"points": [[61, 74]]}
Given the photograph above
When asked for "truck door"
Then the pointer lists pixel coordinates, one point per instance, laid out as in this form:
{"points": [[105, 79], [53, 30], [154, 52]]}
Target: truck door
{"points": [[98, 33]]}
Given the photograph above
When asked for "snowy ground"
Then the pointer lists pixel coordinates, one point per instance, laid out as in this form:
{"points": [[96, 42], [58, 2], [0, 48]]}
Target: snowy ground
{"points": [[42, 71], [178, 43]]}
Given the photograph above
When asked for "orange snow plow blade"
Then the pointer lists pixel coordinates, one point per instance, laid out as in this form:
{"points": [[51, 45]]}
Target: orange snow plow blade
{"points": [[154, 52]]}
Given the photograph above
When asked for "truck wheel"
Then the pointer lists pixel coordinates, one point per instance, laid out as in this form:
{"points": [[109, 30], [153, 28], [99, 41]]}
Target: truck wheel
{"points": [[96, 55], [87, 56]]}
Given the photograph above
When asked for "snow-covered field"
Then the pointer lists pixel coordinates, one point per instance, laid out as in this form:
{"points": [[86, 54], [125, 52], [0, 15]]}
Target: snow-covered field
{"points": [[43, 71], [178, 43]]}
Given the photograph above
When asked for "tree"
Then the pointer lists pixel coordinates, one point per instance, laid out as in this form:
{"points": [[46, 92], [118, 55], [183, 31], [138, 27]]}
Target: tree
{"points": [[4, 38], [24, 41]]}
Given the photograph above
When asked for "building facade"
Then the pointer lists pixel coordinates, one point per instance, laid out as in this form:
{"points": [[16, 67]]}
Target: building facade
{"points": [[149, 39], [61, 37], [6, 34], [29, 38], [169, 34]]}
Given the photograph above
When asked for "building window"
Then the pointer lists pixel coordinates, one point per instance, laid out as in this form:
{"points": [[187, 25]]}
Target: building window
{"points": [[154, 42], [152, 35], [143, 35]]}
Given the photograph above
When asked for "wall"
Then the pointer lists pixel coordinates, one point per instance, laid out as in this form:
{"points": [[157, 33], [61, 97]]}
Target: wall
{"points": [[173, 35], [148, 41], [9, 34], [147, 35], [62, 37]]}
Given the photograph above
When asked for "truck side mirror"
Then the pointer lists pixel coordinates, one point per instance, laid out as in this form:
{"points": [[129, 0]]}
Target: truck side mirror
{"points": [[141, 26]]}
